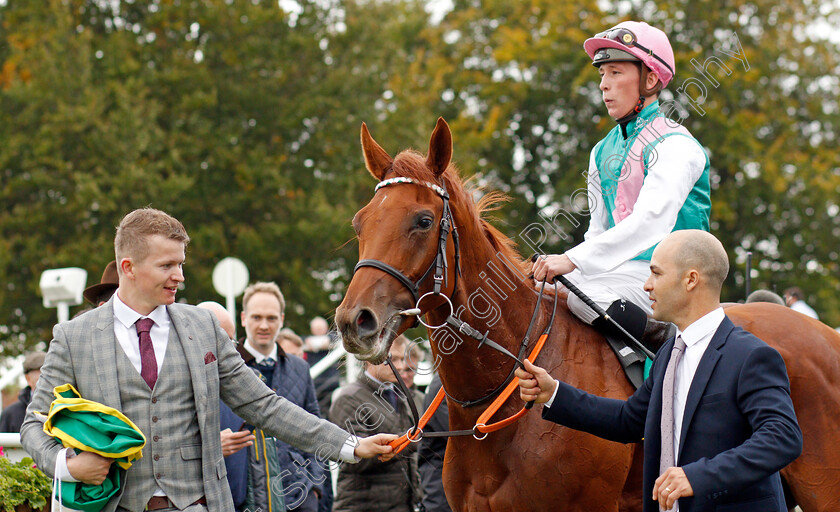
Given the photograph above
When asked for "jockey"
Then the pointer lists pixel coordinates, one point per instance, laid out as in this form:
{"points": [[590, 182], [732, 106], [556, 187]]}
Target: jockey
{"points": [[648, 177]]}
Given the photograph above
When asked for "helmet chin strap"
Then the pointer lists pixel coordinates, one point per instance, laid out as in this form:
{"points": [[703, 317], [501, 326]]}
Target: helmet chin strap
{"points": [[634, 112], [639, 105]]}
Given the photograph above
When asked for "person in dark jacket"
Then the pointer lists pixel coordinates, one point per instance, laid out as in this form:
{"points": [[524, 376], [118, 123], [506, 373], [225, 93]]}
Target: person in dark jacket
{"points": [[302, 474], [12, 417], [368, 406], [234, 436]]}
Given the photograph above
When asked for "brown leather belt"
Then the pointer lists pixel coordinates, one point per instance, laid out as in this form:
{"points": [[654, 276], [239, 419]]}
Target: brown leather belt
{"points": [[162, 502]]}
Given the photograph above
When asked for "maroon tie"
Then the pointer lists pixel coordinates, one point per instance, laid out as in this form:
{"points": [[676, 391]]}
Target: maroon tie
{"points": [[148, 363]]}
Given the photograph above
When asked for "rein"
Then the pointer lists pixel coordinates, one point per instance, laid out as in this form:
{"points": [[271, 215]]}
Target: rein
{"points": [[416, 433], [441, 278]]}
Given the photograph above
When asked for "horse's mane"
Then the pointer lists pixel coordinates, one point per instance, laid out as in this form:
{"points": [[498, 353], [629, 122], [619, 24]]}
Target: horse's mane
{"points": [[411, 164]]}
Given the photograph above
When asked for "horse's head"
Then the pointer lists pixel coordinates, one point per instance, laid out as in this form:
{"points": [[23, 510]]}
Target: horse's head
{"points": [[399, 228]]}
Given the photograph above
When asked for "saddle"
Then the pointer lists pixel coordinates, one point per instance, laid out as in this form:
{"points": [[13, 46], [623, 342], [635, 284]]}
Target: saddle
{"points": [[653, 335], [632, 360]]}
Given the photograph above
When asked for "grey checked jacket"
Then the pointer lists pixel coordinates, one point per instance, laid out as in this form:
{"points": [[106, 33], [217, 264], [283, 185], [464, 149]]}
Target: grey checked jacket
{"points": [[83, 353]]}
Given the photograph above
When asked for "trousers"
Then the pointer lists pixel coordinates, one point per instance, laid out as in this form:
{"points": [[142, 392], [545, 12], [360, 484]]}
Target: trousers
{"points": [[626, 282]]}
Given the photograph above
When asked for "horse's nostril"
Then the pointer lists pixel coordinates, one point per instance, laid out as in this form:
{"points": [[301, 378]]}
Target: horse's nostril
{"points": [[365, 323]]}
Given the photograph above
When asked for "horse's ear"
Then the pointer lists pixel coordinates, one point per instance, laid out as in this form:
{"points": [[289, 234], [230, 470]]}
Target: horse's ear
{"points": [[440, 148], [377, 161]]}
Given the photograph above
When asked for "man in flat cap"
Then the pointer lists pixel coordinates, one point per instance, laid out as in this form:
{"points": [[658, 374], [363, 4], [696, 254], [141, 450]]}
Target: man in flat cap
{"points": [[12, 416]]}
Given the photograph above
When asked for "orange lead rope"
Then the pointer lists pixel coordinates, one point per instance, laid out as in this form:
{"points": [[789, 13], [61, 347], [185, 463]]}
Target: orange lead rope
{"points": [[401, 442], [481, 426]]}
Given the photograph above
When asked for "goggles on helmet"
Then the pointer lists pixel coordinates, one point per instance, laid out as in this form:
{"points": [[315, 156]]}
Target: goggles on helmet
{"points": [[628, 38]]}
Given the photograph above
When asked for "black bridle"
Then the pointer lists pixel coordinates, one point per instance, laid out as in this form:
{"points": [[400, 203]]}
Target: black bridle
{"points": [[441, 278], [440, 265]]}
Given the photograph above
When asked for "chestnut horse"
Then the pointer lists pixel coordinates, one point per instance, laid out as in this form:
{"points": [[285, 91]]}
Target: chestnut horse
{"points": [[534, 465]]}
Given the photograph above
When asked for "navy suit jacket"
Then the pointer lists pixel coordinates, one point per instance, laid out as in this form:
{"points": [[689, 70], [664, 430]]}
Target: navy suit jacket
{"points": [[739, 428]]}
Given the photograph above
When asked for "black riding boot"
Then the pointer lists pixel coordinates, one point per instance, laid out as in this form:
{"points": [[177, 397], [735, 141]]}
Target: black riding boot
{"points": [[657, 333], [652, 333]]}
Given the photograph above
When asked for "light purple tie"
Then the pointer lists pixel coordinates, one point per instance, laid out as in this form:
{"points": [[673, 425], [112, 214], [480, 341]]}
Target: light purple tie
{"points": [[666, 455], [148, 363]]}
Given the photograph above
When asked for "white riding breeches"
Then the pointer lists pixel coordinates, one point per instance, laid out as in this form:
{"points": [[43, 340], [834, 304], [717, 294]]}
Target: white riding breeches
{"points": [[624, 282]]}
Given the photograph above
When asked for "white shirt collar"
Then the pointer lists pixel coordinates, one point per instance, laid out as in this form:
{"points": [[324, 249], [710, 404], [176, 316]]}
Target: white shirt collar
{"points": [[703, 327], [128, 316], [258, 356]]}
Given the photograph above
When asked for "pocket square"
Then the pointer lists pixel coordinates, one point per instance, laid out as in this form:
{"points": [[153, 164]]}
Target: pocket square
{"points": [[209, 357]]}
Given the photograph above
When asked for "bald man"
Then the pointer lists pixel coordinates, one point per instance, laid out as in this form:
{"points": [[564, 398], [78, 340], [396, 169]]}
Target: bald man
{"points": [[225, 320], [730, 426]]}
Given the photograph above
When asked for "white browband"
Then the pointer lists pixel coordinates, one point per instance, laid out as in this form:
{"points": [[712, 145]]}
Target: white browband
{"points": [[394, 181]]}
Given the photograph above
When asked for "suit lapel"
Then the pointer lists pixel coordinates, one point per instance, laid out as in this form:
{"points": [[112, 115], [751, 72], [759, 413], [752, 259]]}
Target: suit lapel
{"points": [[195, 359], [703, 374], [104, 348]]}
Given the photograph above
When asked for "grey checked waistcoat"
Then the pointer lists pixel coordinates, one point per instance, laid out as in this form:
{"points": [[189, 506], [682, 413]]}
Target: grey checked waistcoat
{"points": [[167, 417]]}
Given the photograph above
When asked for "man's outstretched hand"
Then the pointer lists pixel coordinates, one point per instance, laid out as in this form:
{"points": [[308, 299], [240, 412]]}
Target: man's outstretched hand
{"points": [[535, 384], [375, 445]]}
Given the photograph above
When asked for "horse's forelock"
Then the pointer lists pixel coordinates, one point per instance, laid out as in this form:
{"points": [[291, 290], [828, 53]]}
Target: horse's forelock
{"points": [[411, 164]]}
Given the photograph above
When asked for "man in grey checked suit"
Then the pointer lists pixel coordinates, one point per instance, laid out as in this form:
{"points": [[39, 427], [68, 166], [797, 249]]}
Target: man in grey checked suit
{"points": [[168, 380]]}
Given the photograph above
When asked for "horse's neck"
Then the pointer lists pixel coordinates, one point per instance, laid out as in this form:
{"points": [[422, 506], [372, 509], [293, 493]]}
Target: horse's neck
{"points": [[493, 297]]}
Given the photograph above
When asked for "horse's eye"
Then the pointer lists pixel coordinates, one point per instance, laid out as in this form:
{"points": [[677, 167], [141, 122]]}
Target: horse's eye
{"points": [[424, 223]]}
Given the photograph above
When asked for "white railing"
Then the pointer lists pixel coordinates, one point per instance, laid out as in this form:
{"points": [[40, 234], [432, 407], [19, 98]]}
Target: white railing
{"points": [[12, 447], [321, 366]]}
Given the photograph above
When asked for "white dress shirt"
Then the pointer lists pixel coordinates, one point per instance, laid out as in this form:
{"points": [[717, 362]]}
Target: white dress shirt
{"points": [[126, 332], [679, 164], [696, 337], [259, 357]]}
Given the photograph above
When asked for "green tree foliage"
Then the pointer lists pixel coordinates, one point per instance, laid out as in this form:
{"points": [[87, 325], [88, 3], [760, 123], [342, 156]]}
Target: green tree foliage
{"points": [[241, 118]]}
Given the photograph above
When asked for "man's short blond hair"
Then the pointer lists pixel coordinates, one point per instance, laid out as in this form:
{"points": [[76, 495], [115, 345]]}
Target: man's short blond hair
{"points": [[399, 341], [263, 287], [135, 229]]}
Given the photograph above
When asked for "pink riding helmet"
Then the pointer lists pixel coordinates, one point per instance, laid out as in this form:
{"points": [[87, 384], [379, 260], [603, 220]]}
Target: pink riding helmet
{"points": [[648, 44]]}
